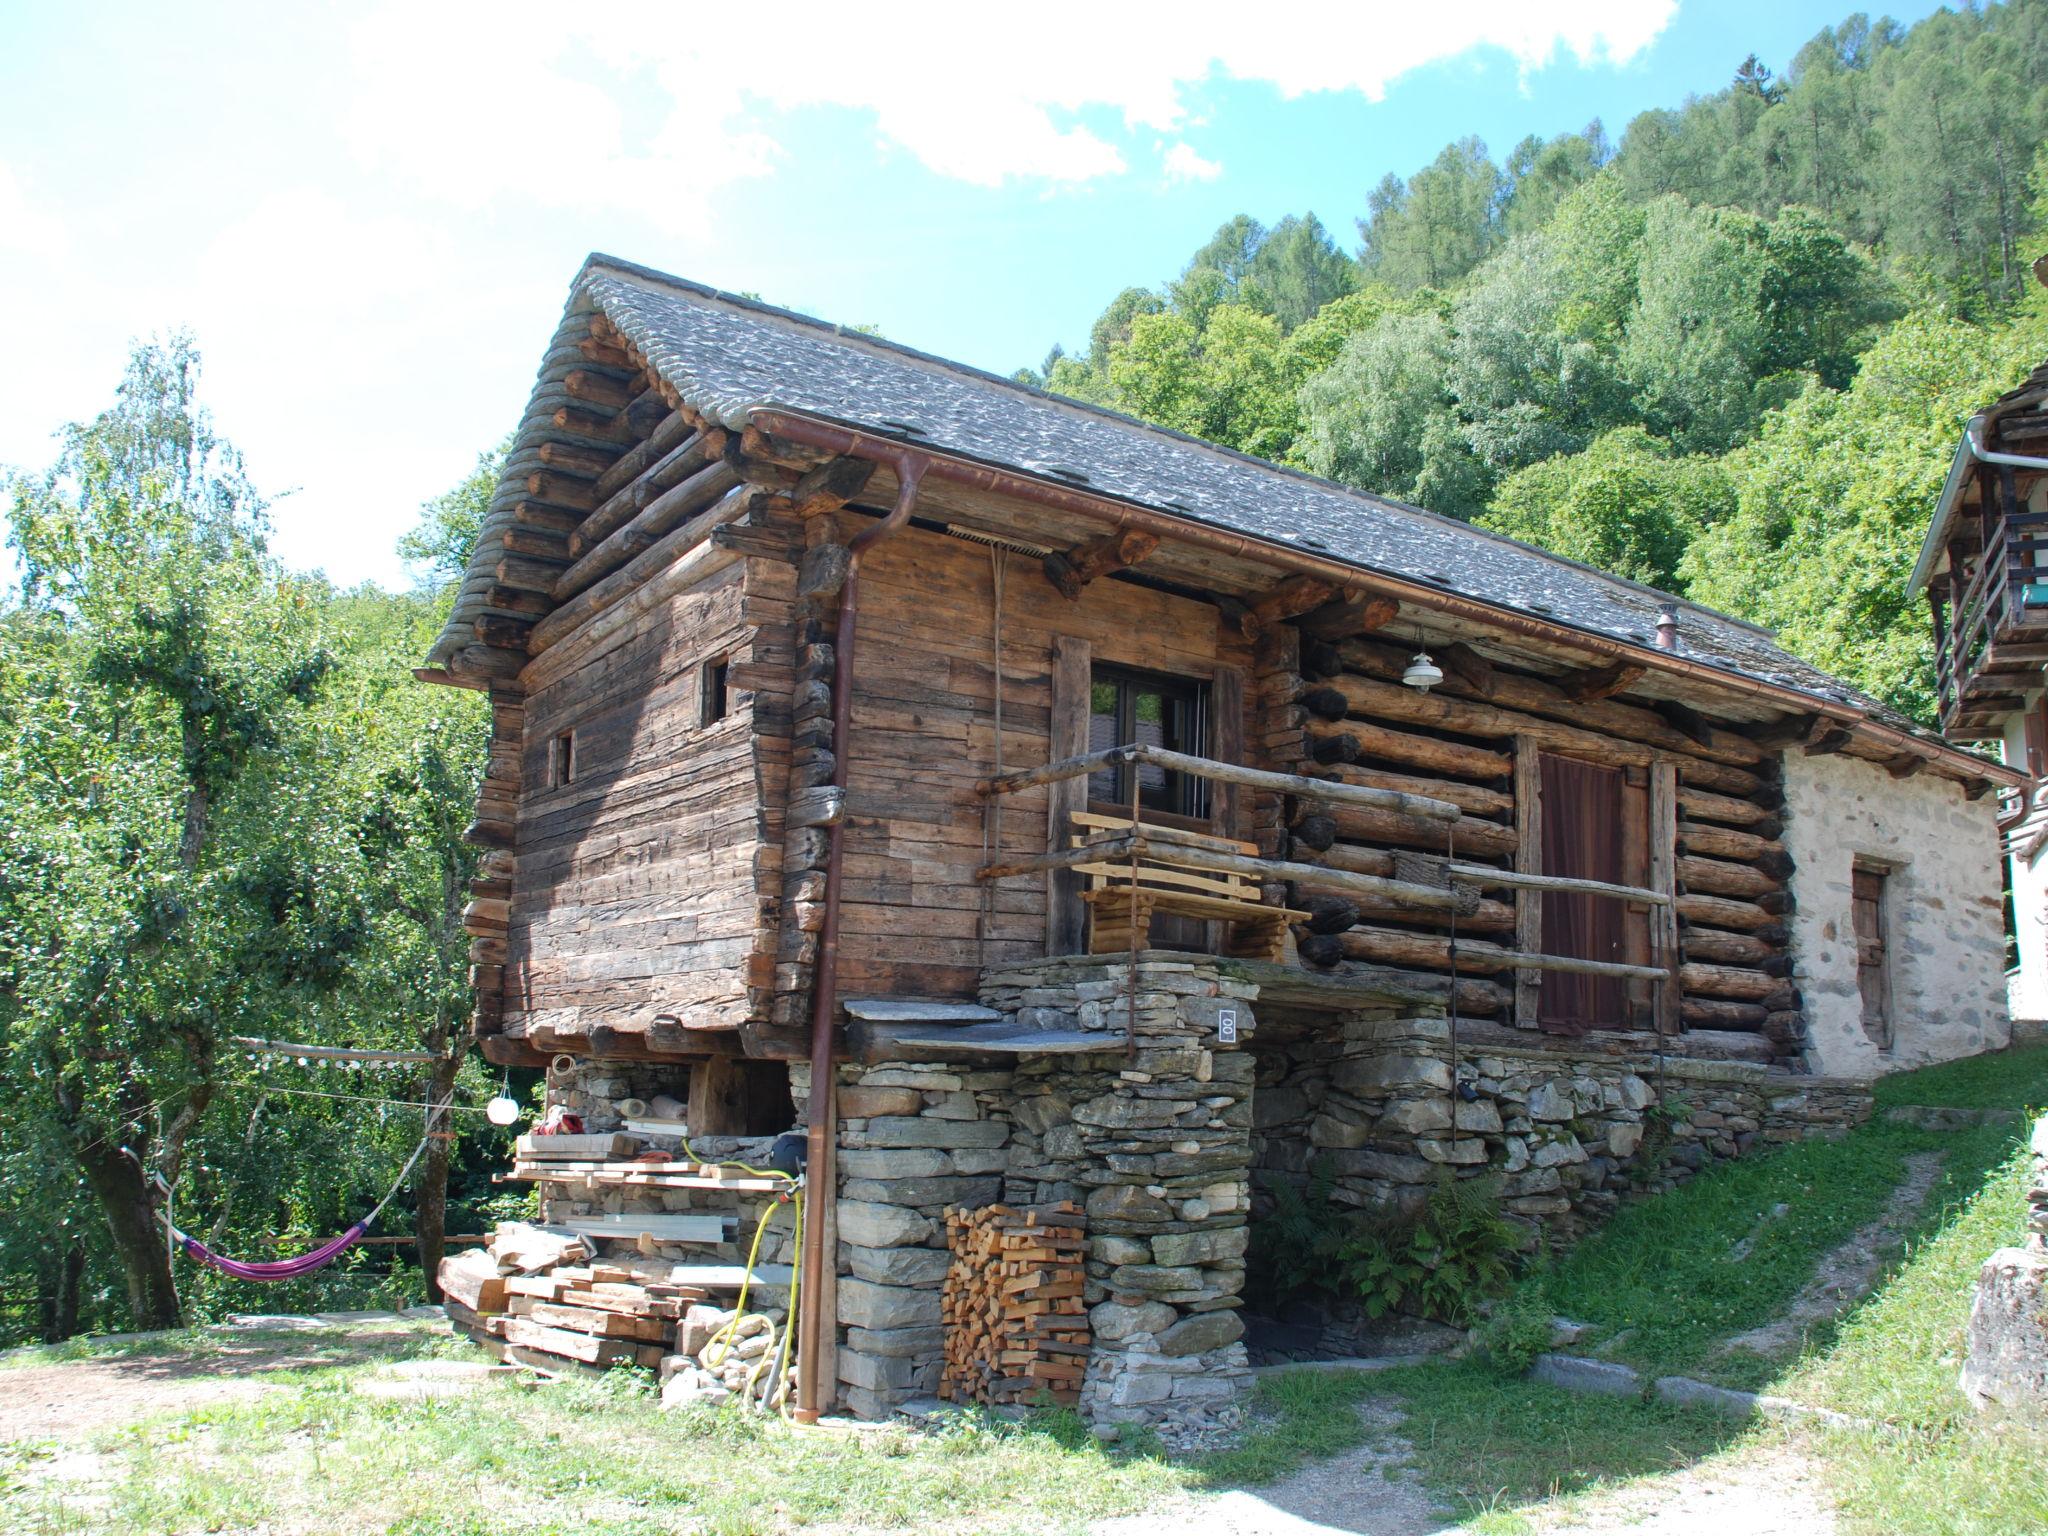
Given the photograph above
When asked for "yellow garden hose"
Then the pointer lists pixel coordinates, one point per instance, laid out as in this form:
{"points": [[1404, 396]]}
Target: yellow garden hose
{"points": [[720, 1346]]}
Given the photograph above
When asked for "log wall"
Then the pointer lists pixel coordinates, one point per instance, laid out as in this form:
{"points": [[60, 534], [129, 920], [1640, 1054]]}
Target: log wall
{"points": [[924, 734], [635, 896], [1473, 741]]}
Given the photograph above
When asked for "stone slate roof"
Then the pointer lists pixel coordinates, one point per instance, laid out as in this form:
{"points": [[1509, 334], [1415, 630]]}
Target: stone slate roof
{"points": [[729, 357]]}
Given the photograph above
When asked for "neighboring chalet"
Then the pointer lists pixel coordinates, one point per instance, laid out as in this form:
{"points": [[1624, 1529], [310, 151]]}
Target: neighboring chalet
{"points": [[1098, 815], [1984, 568]]}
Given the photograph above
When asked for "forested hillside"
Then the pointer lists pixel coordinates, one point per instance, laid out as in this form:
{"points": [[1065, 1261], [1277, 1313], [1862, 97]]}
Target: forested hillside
{"points": [[1728, 356]]}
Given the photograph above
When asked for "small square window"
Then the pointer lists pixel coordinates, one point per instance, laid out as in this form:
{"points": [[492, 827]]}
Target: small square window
{"points": [[717, 692], [562, 759]]}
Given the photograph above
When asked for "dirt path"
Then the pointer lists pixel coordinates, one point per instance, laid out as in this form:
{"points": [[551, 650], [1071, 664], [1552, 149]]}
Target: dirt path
{"points": [[1752, 1492], [70, 1401], [1845, 1275], [1369, 1491]]}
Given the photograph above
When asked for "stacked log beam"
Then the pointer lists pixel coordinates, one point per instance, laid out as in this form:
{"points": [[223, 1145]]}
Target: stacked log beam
{"points": [[1013, 1307], [1355, 723]]}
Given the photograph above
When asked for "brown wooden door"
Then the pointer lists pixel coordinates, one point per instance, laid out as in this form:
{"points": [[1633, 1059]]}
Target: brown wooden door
{"points": [[1583, 839], [1873, 958]]}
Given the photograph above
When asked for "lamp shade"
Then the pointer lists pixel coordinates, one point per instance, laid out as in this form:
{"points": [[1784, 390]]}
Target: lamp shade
{"points": [[1422, 674]]}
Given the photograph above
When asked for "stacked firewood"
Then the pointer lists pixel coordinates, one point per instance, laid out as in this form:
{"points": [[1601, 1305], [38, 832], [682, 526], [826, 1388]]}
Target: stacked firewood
{"points": [[536, 1297], [1016, 1325]]}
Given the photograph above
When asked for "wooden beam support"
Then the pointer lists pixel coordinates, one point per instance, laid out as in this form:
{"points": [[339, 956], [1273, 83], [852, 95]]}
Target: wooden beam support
{"points": [[1342, 619], [1905, 765], [1071, 570], [1467, 666], [830, 485], [1292, 597], [1829, 741], [1591, 683]]}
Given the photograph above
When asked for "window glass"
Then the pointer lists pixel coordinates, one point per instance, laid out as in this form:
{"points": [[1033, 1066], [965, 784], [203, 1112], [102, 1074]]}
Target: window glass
{"points": [[1139, 709]]}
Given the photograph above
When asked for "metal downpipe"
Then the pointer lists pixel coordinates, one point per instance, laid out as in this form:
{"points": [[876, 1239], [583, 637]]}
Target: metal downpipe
{"points": [[819, 1163]]}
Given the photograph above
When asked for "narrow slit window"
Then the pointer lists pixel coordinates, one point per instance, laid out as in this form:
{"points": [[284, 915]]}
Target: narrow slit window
{"points": [[717, 691], [1869, 893], [562, 763]]}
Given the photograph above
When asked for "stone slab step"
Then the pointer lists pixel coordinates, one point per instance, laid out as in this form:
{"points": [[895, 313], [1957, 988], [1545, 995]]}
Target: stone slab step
{"points": [[1005, 1039], [912, 1010]]}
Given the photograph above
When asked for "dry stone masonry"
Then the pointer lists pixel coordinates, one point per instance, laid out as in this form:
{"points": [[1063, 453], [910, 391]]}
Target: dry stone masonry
{"points": [[2007, 1363]]}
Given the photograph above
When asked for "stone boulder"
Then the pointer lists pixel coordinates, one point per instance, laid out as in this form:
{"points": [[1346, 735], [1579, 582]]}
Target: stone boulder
{"points": [[2007, 1362]]}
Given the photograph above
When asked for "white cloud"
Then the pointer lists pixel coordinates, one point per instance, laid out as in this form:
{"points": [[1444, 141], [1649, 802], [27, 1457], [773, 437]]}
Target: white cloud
{"points": [[642, 104], [1182, 163], [23, 226]]}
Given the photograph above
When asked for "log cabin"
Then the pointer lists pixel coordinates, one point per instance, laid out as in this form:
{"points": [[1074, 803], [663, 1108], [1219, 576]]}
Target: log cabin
{"points": [[1044, 807], [1983, 569]]}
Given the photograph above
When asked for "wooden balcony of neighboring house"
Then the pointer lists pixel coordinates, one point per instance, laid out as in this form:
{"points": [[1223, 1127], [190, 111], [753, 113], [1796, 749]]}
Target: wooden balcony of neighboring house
{"points": [[1991, 626]]}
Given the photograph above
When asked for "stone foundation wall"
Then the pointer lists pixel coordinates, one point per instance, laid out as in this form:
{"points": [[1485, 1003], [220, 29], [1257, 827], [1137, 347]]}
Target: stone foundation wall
{"points": [[914, 1138], [1568, 1131], [1154, 1142]]}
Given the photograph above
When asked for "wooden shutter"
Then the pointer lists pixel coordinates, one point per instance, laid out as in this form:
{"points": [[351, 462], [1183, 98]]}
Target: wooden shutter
{"points": [[1873, 961], [2036, 722]]}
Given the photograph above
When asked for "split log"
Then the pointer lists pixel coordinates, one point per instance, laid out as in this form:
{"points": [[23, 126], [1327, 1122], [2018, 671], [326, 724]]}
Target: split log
{"points": [[1534, 696], [1357, 824], [1727, 843], [660, 515], [1473, 799], [1371, 699], [1351, 741], [670, 468], [1702, 805], [1717, 877], [1013, 1305], [1719, 947], [1715, 1013], [1601, 682], [616, 587], [831, 485], [1720, 912], [1389, 946], [1726, 981]]}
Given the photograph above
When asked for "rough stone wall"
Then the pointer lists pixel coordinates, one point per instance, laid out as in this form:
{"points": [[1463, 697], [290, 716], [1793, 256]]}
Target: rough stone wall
{"points": [[1155, 1143], [1946, 932], [2007, 1359], [1568, 1132], [914, 1138]]}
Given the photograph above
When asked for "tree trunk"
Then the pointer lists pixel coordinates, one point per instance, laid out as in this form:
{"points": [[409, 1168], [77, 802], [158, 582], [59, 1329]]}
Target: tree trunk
{"points": [[139, 1243], [431, 1192], [60, 1280]]}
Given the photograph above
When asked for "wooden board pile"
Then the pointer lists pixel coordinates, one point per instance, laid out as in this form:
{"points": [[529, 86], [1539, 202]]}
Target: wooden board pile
{"points": [[1016, 1324], [537, 1296]]}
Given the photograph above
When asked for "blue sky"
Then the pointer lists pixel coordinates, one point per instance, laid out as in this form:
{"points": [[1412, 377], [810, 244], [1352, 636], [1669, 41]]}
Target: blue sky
{"points": [[369, 213]]}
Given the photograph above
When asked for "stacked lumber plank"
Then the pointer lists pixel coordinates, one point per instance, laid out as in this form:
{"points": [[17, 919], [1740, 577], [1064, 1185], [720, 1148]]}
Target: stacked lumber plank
{"points": [[1016, 1324], [535, 1295]]}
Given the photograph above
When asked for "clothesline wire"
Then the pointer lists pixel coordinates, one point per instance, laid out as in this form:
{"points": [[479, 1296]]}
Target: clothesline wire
{"points": [[364, 1098]]}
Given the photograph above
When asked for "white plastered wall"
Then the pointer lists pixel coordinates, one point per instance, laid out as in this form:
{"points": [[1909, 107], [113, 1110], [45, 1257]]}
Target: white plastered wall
{"points": [[1945, 927], [2027, 984]]}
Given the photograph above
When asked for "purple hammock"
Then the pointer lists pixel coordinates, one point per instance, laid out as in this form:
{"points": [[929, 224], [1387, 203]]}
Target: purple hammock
{"points": [[276, 1269], [306, 1263]]}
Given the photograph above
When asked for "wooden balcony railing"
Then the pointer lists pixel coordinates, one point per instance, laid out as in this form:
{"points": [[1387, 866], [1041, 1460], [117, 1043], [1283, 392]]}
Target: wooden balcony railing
{"points": [[2003, 598], [1156, 856]]}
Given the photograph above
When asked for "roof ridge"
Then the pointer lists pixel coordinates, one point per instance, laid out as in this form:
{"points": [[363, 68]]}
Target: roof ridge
{"points": [[863, 340]]}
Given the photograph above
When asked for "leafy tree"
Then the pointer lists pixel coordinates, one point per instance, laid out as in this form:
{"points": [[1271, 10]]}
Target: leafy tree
{"points": [[1541, 174], [1364, 417], [1434, 228], [438, 545], [1833, 498], [1627, 504], [159, 666]]}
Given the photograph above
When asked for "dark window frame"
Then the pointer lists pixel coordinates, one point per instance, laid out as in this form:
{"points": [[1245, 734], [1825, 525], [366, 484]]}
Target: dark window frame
{"points": [[562, 759], [1188, 800], [714, 690]]}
